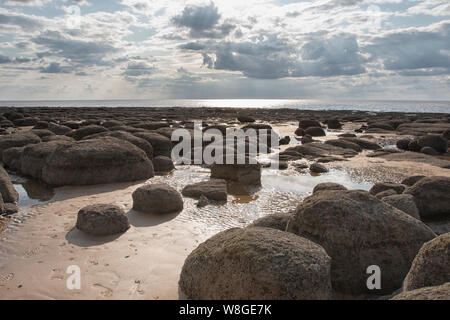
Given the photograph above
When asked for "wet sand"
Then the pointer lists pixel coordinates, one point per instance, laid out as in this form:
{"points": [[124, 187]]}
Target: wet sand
{"points": [[144, 263]]}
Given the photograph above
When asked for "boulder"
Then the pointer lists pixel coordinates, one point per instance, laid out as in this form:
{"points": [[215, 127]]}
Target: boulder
{"points": [[86, 131], [256, 264], [96, 161], [162, 146], [214, 189], [318, 168], [431, 293], [152, 125], [11, 158], [245, 118], [102, 220], [9, 209], [34, 157], [315, 132], [123, 135], [300, 132], [385, 193], [328, 186], [430, 151], [342, 143], [357, 230], [431, 266], [403, 202], [9, 194], [403, 144], [285, 141], [435, 141], [305, 124], [157, 199], [432, 196], [17, 140], [249, 174], [410, 181], [163, 164], [364, 143], [383, 186], [334, 124], [276, 221], [58, 129]]}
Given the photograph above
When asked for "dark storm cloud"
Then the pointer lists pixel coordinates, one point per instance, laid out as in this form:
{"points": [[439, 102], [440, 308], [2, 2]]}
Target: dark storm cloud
{"points": [[413, 49], [203, 22], [17, 60]]}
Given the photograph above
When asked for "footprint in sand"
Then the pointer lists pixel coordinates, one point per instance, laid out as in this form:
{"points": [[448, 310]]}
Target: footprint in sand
{"points": [[107, 292], [4, 278], [31, 252]]}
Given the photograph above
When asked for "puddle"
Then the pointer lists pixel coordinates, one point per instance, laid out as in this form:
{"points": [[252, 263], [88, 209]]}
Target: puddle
{"points": [[31, 192]]}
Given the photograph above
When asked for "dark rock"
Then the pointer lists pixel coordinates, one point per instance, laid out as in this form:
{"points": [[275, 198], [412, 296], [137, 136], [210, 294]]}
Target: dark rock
{"points": [[430, 293], [9, 194], [86, 131], [157, 199], [403, 202], [163, 164], [430, 151], [285, 141], [162, 146], [17, 140], [300, 132], [249, 174], [344, 144], [383, 186], [410, 181], [357, 230], [257, 264], [214, 189], [432, 196], [365, 144], [59, 129], [245, 118], [202, 202], [386, 193], [315, 132], [334, 124], [11, 158], [96, 161], [276, 221], [305, 124], [318, 168], [403, 144], [437, 142], [102, 220], [328, 186]]}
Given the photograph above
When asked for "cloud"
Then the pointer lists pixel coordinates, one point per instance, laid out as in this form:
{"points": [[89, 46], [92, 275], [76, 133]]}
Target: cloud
{"points": [[203, 22], [136, 69], [55, 67]]}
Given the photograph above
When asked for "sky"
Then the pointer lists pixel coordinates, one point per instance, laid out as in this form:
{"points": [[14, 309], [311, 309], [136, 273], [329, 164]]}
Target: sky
{"points": [[162, 49]]}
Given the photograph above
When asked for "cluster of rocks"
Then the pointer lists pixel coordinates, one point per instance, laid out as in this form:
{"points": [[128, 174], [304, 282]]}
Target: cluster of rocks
{"points": [[431, 144], [323, 249]]}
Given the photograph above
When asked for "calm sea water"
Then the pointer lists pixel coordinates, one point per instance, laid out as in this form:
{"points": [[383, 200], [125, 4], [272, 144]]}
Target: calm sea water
{"points": [[373, 106]]}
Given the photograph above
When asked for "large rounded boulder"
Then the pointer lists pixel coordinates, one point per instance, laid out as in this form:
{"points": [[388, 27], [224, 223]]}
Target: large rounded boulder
{"points": [[432, 196], [157, 198], [257, 264], [17, 140], [431, 267], [102, 220], [430, 293], [162, 146], [357, 230], [96, 161]]}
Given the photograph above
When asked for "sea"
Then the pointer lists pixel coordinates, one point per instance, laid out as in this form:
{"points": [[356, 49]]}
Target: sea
{"points": [[301, 104]]}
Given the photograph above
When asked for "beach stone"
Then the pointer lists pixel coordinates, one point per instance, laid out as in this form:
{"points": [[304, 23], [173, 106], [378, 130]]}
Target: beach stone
{"points": [[41, 125], [410, 181], [162, 146], [9, 194], [57, 138], [285, 141], [245, 118], [328, 186], [249, 174], [431, 266], [157, 198], [383, 186], [152, 125], [257, 264], [334, 124], [86, 131], [430, 151], [214, 189], [96, 161], [58, 129], [126, 136], [306, 139], [315, 132], [34, 157], [71, 124], [42, 133], [300, 132], [347, 135], [20, 139], [342, 143], [381, 125], [163, 164], [357, 230], [102, 220], [11, 158], [111, 123], [386, 193], [430, 293], [318, 168], [432, 196], [305, 124], [276, 221], [437, 142], [364, 143], [403, 202], [446, 134], [414, 146], [403, 144]]}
